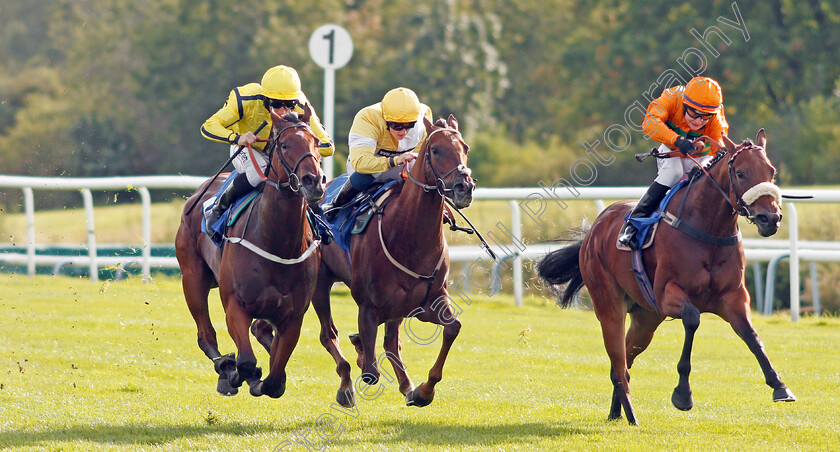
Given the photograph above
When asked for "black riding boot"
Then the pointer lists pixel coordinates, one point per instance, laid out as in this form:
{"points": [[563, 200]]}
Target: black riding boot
{"points": [[237, 188], [650, 200], [344, 196]]}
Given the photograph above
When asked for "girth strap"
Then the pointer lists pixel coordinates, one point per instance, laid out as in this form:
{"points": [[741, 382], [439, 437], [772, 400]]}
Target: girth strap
{"points": [[697, 234]]}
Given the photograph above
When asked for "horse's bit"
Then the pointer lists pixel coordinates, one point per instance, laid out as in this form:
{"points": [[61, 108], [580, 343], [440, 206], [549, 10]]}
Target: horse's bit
{"points": [[440, 183], [291, 171]]}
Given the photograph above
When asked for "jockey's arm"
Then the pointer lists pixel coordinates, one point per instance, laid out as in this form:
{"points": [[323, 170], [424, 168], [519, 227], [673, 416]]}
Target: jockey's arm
{"points": [[216, 127], [327, 147], [658, 113]]}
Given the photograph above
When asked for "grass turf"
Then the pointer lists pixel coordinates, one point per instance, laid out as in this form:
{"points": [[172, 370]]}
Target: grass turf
{"points": [[115, 366]]}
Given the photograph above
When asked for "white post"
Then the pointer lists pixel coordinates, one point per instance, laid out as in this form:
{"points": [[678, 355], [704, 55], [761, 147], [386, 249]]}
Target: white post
{"points": [[516, 220], [329, 116], [331, 47], [146, 201], [91, 235], [793, 224], [29, 207]]}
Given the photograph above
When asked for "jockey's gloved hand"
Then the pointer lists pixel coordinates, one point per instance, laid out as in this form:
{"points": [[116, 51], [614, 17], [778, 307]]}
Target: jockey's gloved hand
{"points": [[685, 145]]}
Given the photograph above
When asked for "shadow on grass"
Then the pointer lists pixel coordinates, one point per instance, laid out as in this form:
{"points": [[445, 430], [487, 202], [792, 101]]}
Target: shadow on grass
{"points": [[127, 434], [435, 434], [419, 433]]}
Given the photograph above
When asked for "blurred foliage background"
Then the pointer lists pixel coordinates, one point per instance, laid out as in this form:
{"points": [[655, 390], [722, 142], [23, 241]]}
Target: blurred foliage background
{"points": [[114, 87]]}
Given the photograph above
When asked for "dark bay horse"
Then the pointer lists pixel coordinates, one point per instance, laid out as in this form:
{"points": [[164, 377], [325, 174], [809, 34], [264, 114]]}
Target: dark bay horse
{"points": [[398, 267], [267, 267], [689, 275]]}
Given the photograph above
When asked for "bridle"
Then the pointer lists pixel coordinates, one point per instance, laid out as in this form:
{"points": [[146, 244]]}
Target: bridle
{"points": [[293, 182], [293, 185], [446, 193], [440, 183], [742, 206], [761, 189]]}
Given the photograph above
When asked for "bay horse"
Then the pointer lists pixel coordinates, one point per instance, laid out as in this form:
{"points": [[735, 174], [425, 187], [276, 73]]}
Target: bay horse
{"points": [[268, 265], [398, 267], [689, 275]]}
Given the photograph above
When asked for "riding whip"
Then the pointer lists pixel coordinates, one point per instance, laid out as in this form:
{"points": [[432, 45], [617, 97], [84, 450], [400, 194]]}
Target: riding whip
{"points": [[198, 198]]}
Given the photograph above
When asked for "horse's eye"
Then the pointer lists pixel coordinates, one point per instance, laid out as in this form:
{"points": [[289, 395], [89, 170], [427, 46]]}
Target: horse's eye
{"points": [[283, 145], [740, 174]]}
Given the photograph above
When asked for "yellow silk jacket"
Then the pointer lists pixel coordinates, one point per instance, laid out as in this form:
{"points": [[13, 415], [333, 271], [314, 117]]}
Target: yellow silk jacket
{"points": [[244, 111]]}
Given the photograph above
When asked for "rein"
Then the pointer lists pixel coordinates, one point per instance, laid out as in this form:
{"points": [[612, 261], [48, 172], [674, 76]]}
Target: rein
{"points": [[443, 190], [291, 171], [743, 210], [293, 184], [440, 184]]}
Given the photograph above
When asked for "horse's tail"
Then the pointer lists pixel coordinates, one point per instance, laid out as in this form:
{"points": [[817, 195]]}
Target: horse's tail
{"points": [[562, 267]]}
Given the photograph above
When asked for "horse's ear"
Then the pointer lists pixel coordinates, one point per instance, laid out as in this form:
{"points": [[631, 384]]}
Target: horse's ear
{"points": [[730, 146], [307, 112], [275, 118], [428, 124], [761, 138], [453, 122]]}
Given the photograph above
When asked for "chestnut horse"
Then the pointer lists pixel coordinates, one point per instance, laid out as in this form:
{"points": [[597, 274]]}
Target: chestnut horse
{"points": [[398, 266], [690, 275], [267, 267]]}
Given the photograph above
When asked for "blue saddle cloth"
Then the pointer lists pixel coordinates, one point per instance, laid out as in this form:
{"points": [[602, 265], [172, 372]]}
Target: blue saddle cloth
{"points": [[643, 225], [343, 222], [220, 225]]}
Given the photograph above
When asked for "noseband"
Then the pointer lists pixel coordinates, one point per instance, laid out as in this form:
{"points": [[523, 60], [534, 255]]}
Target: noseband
{"points": [[440, 184], [291, 171], [753, 193], [746, 198]]}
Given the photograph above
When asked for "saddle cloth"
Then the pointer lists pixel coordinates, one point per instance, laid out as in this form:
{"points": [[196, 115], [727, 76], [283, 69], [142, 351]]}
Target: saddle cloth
{"points": [[238, 206], [354, 218], [646, 227], [230, 216]]}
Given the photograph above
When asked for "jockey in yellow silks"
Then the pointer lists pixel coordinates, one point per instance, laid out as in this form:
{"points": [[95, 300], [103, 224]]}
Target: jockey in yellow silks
{"points": [[245, 117], [382, 140]]}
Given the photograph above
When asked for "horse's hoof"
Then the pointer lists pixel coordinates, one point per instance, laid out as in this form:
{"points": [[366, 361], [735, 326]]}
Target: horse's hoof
{"points": [[235, 379], [413, 399], [274, 388], [347, 398], [783, 394], [683, 402], [275, 393], [254, 379], [256, 388], [224, 363], [370, 379], [224, 388]]}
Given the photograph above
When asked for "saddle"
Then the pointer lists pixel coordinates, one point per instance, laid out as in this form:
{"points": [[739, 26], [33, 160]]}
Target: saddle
{"points": [[239, 205], [646, 226], [355, 217], [647, 229]]}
